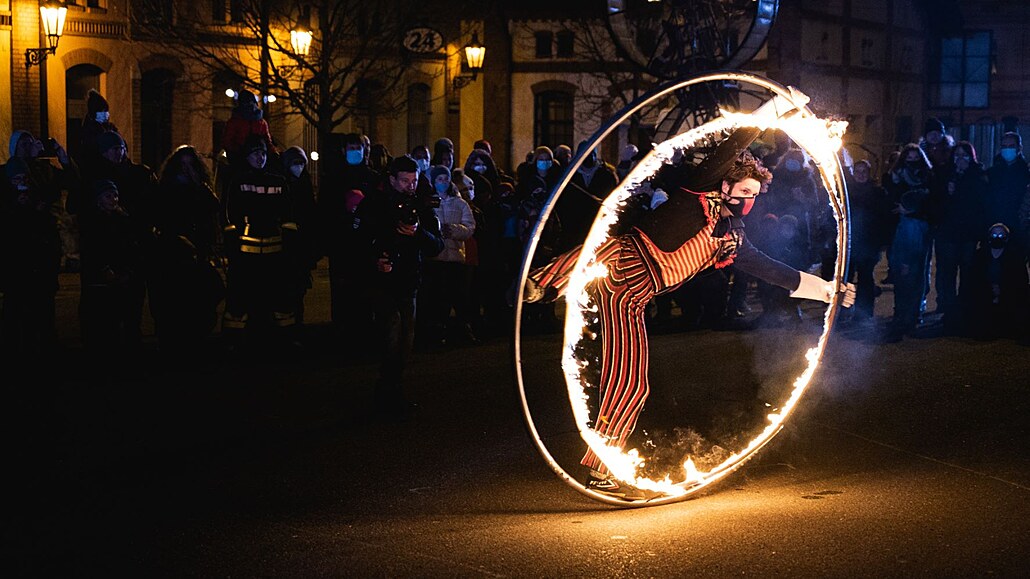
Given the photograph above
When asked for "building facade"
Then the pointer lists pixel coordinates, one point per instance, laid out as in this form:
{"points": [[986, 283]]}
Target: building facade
{"points": [[551, 76]]}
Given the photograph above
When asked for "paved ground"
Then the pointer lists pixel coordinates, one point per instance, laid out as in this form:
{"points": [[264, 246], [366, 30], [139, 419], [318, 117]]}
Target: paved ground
{"points": [[905, 460]]}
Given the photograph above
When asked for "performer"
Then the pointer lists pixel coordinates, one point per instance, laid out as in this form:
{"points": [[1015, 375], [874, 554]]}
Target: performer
{"points": [[698, 227]]}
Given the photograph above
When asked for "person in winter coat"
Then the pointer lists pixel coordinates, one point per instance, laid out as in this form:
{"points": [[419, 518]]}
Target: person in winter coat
{"points": [[909, 188], [112, 276], [185, 285], [403, 233], [960, 219], [258, 232], [447, 279], [30, 258]]}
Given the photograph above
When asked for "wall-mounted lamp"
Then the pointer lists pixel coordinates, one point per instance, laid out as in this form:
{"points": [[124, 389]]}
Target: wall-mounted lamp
{"points": [[474, 55], [51, 14]]}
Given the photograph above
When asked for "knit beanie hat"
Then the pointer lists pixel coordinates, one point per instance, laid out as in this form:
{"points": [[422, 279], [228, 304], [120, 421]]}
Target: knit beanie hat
{"points": [[245, 96], [95, 102], [254, 143], [101, 185], [438, 170], [109, 140], [933, 124]]}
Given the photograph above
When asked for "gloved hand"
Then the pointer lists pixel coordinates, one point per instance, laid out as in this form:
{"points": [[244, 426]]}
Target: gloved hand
{"points": [[847, 295]]}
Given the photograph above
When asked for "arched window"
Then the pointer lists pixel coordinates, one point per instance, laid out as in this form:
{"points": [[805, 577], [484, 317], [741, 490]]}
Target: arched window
{"points": [[553, 118], [418, 115], [77, 82], [156, 92]]}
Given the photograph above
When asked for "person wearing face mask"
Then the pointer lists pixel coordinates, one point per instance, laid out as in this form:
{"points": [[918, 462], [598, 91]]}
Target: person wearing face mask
{"points": [[538, 172], [305, 251], [937, 144], [996, 298], [909, 189], [96, 121], [535, 183], [1008, 178], [421, 155], [447, 279], [347, 172], [30, 259], [480, 167], [699, 227], [960, 221]]}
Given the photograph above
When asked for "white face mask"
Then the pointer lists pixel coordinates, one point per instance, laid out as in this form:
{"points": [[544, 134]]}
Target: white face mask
{"points": [[102, 116], [296, 170]]}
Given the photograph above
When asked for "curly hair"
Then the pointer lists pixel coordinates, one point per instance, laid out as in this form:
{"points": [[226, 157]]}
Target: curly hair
{"points": [[746, 166], [172, 166]]}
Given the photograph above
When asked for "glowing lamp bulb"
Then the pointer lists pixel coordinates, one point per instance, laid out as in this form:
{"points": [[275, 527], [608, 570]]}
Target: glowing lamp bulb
{"points": [[314, 155]]}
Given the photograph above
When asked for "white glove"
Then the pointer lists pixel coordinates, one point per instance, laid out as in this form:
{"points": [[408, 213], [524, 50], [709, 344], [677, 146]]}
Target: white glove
{"points": [[813, 288], [816, 288]]}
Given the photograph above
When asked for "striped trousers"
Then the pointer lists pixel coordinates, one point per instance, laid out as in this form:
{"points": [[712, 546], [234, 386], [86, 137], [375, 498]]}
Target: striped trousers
{"points": [[621, 297]]}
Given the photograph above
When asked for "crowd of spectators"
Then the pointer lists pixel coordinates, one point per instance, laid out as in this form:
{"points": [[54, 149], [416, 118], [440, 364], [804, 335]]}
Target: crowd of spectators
{"points": [[425, 232]]}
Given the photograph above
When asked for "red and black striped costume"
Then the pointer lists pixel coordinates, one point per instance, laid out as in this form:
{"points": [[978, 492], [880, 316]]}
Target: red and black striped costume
{"points": [[685, 237]]}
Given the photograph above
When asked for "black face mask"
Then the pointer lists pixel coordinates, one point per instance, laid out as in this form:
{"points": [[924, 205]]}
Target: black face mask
{"points": [[742, 208], [998, 242]]}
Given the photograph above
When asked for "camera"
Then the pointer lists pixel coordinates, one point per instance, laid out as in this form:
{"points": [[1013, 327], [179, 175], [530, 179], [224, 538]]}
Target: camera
{"points": [[49, 148], [406, 212]]}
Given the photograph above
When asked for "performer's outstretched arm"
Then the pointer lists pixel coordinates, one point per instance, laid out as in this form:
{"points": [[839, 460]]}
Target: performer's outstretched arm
{"points": [[802, 285]]}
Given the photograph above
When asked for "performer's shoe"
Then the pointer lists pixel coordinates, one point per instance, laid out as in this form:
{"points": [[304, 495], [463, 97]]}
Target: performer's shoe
{"points": [[606, 484], [533, 293]]}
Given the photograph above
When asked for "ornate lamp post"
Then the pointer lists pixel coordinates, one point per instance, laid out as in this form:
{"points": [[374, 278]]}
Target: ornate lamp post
{"points": [[474, 55], [51, 16]]}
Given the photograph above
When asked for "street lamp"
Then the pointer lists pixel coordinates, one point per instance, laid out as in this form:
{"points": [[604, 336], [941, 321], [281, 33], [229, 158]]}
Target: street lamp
{"points": [[474, 55], [300, 41], [51, 14]]}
